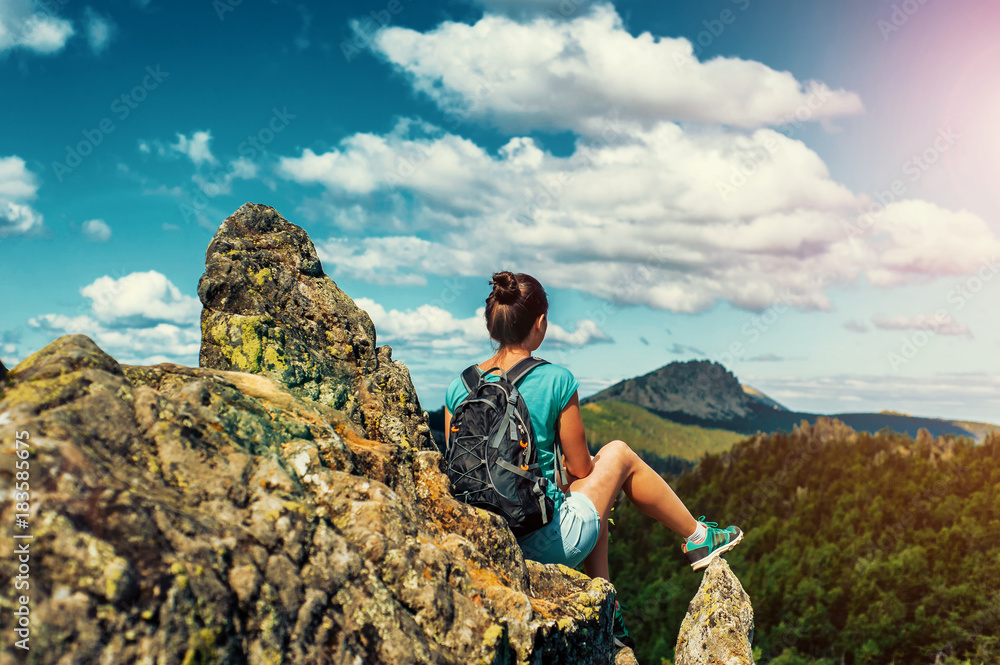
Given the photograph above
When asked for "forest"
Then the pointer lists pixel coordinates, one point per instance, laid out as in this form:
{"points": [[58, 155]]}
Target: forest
{"points": [[860, 548]]}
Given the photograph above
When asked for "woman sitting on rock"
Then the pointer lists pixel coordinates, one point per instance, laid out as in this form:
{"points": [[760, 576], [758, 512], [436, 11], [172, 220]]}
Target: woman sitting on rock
{"points": [[516, 317]]}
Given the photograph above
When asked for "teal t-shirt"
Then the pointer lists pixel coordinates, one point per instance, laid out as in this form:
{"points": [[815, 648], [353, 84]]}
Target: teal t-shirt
{"points": [[546, 391]]}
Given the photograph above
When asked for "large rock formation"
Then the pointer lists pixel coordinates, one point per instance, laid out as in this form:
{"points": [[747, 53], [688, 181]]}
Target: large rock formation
{"points": [[284, 513], [270, 309], [277, 505], [718, 627]]}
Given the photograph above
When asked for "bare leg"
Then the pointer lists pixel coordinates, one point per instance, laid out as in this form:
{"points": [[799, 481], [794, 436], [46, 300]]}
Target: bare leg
{"points": [[596, 563], [617, 467]]}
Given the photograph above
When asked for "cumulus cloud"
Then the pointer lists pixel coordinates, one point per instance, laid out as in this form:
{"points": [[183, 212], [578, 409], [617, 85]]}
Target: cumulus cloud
{"points": [[18, 187], [97, 230], [942, 324], [639, 220], [434, 329], [646, 209], [100, 30], [922, 239], [26, 24], [139, 318], [222, 182], [196, 147], [138, 300], [164, 342], [856, 326], [556, 74]]}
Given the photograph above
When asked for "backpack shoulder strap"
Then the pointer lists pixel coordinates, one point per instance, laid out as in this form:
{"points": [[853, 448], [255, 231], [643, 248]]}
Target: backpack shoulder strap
{"points": [[470, 377], [521, 369]]}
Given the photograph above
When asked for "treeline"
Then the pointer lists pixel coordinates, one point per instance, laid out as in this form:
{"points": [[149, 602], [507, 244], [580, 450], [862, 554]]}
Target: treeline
{"points": [[860, 549]]}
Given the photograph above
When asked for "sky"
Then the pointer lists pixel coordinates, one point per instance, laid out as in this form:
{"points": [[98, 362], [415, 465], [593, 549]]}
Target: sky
{"points": [[802, 191]]}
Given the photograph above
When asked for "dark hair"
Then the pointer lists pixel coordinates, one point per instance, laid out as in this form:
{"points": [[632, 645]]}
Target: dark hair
{"points": [[516, 302]]}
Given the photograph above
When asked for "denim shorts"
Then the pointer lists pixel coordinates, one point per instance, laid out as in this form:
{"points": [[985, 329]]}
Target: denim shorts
{"points": [[568, 538]]}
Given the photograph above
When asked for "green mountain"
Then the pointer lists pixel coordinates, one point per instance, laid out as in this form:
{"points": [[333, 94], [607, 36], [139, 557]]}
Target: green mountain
{"points": [[698, 389], [647, 432], [708, 395], [859, 548]]}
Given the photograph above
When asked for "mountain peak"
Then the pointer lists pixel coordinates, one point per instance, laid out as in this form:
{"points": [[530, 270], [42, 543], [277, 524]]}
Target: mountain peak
{"points": [[698, 388]]}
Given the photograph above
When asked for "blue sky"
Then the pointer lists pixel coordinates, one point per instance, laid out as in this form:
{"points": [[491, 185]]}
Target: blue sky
{"points": [[689, 180]]}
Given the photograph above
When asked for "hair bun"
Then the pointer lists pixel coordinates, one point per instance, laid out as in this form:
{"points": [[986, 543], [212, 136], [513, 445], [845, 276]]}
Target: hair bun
{"points": [[505, 287]]}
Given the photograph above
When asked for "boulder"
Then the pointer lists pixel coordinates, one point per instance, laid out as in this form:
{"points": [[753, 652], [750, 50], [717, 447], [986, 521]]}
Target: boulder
{"points": [[270, 309], [718, 627]]}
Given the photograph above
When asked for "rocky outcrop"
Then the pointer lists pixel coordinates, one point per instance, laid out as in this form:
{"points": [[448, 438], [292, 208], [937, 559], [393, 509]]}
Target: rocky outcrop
{"points": [[3, 371], [276, 505], [718, 627], [270, 309], [699, 389]]}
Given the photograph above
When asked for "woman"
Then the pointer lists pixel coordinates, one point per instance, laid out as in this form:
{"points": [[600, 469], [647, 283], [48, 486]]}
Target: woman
{"points": [[517, 318]]}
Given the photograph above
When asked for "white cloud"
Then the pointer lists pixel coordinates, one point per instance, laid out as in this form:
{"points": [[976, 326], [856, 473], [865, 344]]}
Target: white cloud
{"points": [[138, 318], [97, 230], [586, 332], [970, 395], [144, 147], [641, 220], [222, 182], [26, 24], [556, 74], [434, 329], [100, 29], [922, 239], [164, 342], [644, 210], [18, 187], [138, 300], [196, 147], [942, 325]]}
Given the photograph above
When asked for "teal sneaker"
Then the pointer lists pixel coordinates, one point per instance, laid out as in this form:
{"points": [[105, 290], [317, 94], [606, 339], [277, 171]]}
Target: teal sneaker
{"points": [[622, 638], [717, 542]]}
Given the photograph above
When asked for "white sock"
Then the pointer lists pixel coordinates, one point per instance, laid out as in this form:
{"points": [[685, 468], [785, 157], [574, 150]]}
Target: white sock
{"points": [[698, 537]]}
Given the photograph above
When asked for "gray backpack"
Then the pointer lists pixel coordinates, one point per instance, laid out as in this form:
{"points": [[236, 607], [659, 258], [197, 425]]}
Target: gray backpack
{"points": [[491, 457]]}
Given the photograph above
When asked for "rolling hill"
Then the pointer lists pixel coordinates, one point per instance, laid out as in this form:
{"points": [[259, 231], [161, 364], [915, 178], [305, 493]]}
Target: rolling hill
{"points": [[644, 431]]}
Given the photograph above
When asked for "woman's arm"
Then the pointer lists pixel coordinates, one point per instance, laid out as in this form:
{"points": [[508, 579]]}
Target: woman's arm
{"points": [[447, 423], [579, 463]]}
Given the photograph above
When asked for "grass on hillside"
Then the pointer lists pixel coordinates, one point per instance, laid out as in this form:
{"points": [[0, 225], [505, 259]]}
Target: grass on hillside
{"points": [[645, 431]]}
